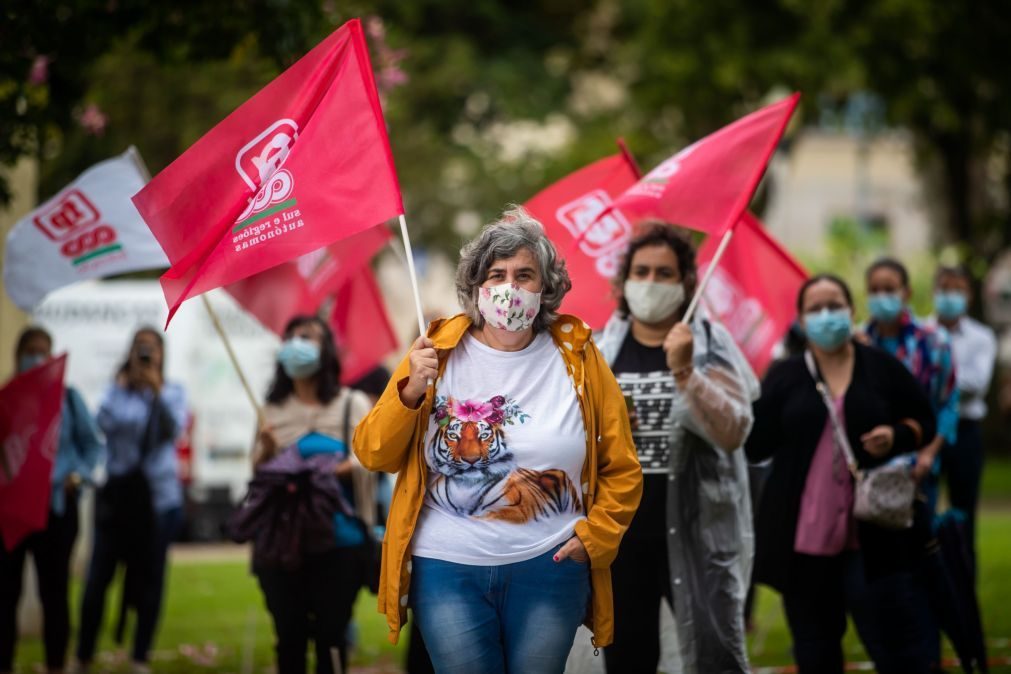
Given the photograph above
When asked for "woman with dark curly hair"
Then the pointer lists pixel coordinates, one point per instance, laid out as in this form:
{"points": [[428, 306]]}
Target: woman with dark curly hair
{"points": [[691, 390]]}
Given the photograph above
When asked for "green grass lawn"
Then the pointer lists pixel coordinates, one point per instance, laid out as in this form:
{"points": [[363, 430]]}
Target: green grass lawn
{"points": [[215, 620]]}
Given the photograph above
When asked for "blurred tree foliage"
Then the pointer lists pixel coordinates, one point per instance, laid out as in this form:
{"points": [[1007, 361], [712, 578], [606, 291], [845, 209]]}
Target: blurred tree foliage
{"points": [[488, 100]]}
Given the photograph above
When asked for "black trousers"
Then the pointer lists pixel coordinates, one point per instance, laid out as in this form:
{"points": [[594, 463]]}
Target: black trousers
{"points": [[105, 558], [314, 602], [51, 549], [825, 589], [640, 579], [962, 468]]}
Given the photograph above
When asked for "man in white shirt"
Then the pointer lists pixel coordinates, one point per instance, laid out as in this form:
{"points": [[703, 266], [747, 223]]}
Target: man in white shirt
{"points": [[974, 348]]}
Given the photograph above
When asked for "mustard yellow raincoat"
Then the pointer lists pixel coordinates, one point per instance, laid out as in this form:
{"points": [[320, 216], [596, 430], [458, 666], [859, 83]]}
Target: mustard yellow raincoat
{"points": [[391, 439]]}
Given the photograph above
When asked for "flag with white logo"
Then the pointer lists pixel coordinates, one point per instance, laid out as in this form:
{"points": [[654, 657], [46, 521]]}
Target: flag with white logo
{"points": [[303, 163], [591, 243], [89, 230]]}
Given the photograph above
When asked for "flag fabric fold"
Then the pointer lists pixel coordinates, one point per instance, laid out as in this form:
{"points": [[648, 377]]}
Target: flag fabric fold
{"points": [[300, 286], [591, 241], [30, 408], [361, 326], [753, 289], [708, 185], [90, 229], [303, 163]]}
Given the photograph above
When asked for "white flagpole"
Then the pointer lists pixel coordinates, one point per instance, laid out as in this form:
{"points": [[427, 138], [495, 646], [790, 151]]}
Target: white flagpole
{"points": [[709, 273], [414, 277]]}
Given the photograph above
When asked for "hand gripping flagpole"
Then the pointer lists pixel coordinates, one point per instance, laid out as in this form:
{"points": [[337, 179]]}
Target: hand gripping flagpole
{"points": [[709, 273]]}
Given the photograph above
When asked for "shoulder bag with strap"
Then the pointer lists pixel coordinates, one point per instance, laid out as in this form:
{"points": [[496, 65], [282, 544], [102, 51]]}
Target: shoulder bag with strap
{"points": [[882, 496]]}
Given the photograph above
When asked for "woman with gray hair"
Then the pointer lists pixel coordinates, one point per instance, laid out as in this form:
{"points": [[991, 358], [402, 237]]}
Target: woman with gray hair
{"points": [[517, 475]]}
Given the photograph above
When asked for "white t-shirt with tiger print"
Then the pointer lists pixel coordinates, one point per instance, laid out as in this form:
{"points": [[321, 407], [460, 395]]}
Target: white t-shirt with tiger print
{"points": [[505, 450]]}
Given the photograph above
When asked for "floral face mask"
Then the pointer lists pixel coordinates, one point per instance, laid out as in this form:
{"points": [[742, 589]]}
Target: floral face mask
{"points": [[508, 307]]}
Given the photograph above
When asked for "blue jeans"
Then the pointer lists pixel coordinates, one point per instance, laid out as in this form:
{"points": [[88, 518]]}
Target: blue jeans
{"points": [[512, 618]]}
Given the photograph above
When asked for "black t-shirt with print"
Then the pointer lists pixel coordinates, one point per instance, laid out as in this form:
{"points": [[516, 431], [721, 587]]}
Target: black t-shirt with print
{"points": [[642, 373]]}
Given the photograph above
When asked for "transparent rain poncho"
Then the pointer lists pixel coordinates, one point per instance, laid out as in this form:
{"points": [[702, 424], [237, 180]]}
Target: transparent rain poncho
{"points": [[709, 528]]}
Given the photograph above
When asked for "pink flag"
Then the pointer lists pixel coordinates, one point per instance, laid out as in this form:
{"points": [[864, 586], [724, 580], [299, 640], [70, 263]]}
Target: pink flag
{"points": [[753, 290], [303, 163], [707, 185], [30, 406], [360, 325], [297, 287], [591, 243]]}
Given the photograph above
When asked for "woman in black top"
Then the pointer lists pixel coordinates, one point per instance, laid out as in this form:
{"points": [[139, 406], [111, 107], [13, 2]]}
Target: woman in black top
{"points": [[809, 548]]}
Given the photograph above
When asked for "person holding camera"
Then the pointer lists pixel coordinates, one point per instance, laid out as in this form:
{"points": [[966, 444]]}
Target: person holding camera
{"points": [[139, 509]]}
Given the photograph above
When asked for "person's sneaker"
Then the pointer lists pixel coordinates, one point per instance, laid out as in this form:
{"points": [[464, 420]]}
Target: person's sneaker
{"points": [[140, 668], [80, 668]]}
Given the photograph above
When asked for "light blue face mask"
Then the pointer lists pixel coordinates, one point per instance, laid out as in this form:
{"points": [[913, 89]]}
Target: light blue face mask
{"points": [[299, 358], [28, 361], [951, 304], [885, 306], [828, 330]]}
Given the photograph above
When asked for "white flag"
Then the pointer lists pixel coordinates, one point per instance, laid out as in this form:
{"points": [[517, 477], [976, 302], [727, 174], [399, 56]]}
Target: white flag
{"points": [[91, 229]]}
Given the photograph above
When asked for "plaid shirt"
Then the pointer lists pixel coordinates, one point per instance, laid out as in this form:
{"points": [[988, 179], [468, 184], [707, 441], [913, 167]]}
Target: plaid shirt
{"points": [[926, 352]]}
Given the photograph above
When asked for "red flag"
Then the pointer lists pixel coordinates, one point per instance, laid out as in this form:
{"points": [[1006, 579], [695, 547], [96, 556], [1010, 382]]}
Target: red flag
{"points": [[753, 290], [571, 212], [303, 163], [300, 286], [361, 327], [707, 185], [30, 406]]}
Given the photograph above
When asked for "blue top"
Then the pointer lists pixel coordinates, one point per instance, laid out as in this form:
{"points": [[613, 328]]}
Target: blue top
{"points": [[78, 450], [317, 443], [925, 350], [123, 418], [347, 531]]}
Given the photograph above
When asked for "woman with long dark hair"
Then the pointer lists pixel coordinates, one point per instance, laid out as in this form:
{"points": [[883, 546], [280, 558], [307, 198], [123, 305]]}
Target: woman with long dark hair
{"points": [[139, 509], [310, 413], [824, 562]]}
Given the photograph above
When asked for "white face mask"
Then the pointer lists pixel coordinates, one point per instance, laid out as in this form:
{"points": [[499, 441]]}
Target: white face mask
{"points": [[508, 307], [653, 302]]}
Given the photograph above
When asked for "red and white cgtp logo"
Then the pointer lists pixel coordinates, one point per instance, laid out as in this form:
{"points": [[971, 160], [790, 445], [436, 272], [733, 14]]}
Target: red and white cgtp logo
{"points": [[68, 216], [259, 165], [71, 221], [602, 238]]}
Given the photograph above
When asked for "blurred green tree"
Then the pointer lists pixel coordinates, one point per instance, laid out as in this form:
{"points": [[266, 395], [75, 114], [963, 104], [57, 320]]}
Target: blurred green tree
{"points": [[488, 101]]}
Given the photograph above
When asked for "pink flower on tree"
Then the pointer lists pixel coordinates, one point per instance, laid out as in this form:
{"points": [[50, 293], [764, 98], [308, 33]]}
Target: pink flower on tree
{"points": [[93, 120], [38, 74]]}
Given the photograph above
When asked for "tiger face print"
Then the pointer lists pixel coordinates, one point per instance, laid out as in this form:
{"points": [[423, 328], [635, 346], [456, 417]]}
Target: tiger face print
{"points": [[476, 475]]}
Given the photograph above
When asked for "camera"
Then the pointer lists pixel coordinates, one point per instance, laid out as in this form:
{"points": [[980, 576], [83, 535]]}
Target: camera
{"points": [[145, 355]]}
